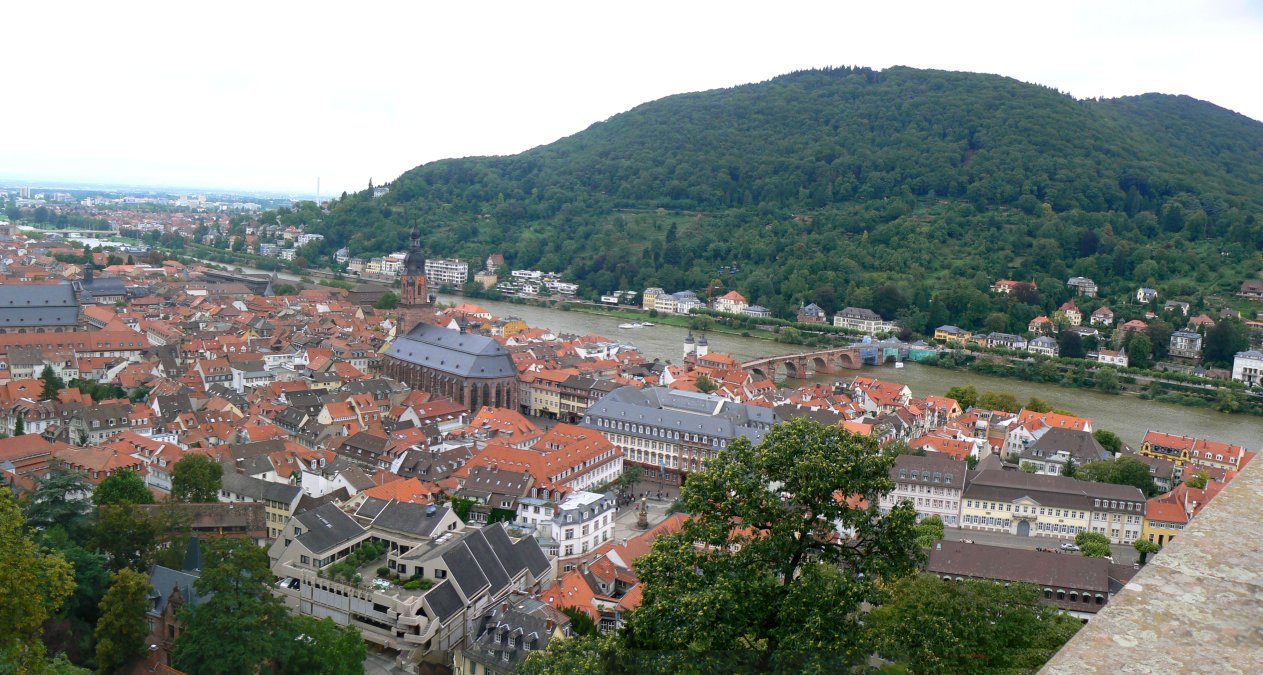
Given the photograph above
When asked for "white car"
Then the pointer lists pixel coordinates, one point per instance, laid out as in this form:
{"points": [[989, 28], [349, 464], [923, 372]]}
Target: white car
{"points": [[1069, 547]]}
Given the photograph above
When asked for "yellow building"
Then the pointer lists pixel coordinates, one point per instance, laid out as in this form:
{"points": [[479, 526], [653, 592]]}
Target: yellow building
{"points": [[1034, 505], [1184, 450], [952, 334]]}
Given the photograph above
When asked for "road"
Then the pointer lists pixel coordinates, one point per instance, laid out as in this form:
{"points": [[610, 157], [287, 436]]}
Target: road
{"points": [[1123, 554]]}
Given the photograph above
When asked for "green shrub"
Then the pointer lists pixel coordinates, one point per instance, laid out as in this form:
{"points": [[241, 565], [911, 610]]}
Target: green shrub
{"points": [[383, 571]]}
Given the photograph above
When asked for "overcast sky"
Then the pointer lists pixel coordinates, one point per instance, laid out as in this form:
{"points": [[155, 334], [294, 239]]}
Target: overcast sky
{"points": [[262, 96]]}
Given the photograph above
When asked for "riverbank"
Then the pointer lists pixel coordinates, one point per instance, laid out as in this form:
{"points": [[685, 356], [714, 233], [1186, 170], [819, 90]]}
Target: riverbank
{"points": [[679, 321], [1091, 376]]}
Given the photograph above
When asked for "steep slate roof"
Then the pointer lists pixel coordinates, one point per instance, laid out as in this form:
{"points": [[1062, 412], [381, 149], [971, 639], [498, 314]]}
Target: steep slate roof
{"points": [[257, 488], [449, 351], [164, 580], [38, 305], [510, 556], [531, 554], [496, 574], [465, 570], [325, 527], [1081, 445], [444, 600]]}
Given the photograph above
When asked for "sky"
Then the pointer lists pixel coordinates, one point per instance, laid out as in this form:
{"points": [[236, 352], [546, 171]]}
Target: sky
{"points": [[271, 95]]}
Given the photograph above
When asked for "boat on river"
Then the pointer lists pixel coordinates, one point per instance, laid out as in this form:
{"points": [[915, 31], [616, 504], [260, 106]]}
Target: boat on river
{"points": [[634, 324]]}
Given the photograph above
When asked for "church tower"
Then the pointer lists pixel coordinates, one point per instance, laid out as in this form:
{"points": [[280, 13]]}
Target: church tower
{"points": [[414, 292]]}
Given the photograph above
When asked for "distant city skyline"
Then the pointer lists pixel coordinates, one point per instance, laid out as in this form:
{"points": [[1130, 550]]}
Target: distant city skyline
{"points": [[179, 96]]}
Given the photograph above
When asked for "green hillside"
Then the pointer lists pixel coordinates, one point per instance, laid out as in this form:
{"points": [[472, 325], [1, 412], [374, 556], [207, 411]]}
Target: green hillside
{"points": [[854, 187]]}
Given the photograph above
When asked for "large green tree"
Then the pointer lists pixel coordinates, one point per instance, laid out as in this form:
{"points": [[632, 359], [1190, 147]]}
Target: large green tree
{"points": [[760, 574], [120, 634], [238, 628], [122, 487], [1093, 544], [61, 498], [320, 646], [33, 584], [934, 626], [1223, 341], [1121, 470], [52, 383], [196, 478]]}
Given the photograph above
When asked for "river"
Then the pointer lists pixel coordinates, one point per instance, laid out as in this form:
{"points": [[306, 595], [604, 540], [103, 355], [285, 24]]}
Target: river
{"points": [[1127, 416]]}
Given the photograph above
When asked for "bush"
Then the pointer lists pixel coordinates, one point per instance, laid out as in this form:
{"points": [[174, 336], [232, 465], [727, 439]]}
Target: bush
{"points": [[383, 571]]}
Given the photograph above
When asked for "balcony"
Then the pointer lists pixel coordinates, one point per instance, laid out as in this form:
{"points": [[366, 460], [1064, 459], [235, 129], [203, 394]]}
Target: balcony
{"points": [[1200, 593]]}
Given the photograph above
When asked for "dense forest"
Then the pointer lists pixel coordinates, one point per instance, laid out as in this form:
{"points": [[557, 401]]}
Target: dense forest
{"points": [[908, 191]]}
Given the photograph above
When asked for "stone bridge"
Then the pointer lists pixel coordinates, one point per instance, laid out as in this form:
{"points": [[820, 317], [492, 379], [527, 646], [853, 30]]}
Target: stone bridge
{"points": [[826, 361]]}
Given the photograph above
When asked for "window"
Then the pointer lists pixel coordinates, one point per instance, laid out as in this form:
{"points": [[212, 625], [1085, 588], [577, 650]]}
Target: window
{"points": [[440, 574]]}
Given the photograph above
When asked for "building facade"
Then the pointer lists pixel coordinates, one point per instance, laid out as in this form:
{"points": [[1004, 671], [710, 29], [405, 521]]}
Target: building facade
{"points": [[447, 272], [1033, 505], [470, 369], [932, 484], [671, 433]]}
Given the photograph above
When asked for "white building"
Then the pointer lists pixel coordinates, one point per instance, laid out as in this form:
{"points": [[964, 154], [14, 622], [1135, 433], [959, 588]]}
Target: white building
{"points": [[308, 237], [1043, 345], [1248, 367], [932, 484], [446, 272], [580, 523], [1114, 358], [862, 319]]}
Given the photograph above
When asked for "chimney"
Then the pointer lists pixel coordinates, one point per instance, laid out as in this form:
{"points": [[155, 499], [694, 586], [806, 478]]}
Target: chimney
{"points": [[548, 625], [504, 606]]}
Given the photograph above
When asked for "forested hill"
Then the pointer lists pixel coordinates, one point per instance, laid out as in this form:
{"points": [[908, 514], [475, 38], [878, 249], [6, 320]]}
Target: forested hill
{"points": [[824, 185]]}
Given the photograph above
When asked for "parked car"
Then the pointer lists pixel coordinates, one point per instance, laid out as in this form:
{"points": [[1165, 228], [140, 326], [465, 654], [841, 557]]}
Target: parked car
{"points": [[1069, 547]]}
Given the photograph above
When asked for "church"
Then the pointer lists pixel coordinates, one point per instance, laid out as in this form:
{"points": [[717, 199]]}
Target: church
{"points": [[470, 369]]}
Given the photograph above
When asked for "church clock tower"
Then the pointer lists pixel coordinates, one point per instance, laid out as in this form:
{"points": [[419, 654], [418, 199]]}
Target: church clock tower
{"points": [[414, 292]]}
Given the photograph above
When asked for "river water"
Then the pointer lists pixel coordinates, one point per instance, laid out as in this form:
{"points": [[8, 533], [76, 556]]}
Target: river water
{"points": [[1127, 416]]}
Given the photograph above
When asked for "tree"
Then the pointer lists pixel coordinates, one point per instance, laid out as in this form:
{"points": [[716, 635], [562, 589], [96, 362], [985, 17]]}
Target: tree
{"points": [[1140, 350], [1070, 469], [760, 574], [33, 584], [631, 475], [1070, 345], [999, 401], [1197, 480], [196, 478], [320, 646], [929, 530], [19, 424], [1038, 405], [935, 626], [704, 384], [121, 632], [1227, 400], [237, 629], [966, 396], [581, 654], [52, 384], [60, 499], [1145, 547], [581, 622], [70, 631], [1108, 440], [1120, 470], [389, 300], [1093, 544], [1107, 380], [125, 535], [1223, 341], [122, 487]]}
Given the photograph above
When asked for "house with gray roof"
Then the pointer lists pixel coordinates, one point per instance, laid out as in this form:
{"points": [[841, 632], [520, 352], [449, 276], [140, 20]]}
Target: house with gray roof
{"points": [[674, 432], [471, 369], [1050, 453], [506, 634], [38, 308]]}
